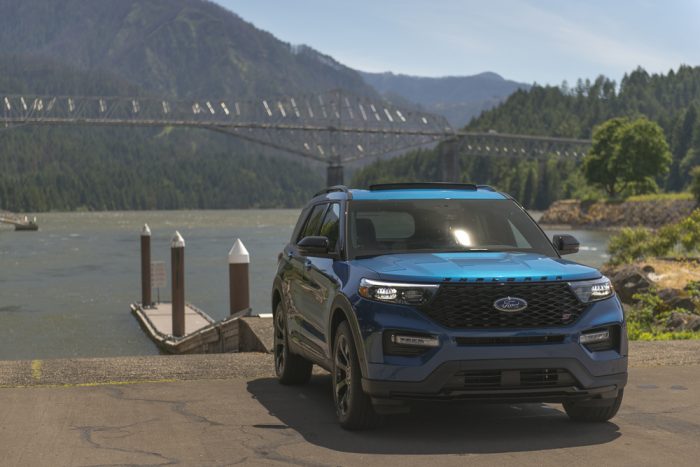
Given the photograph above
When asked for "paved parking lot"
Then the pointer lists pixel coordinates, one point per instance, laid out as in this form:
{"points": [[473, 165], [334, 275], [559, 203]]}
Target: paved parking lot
{"points": [[252, 420]]}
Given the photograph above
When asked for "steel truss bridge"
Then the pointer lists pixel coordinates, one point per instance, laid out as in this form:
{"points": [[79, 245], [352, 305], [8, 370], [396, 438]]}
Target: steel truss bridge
{"points": [[333, 127]]}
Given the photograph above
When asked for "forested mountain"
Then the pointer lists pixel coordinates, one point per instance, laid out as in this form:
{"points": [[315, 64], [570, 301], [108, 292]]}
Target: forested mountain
{"points": [[54, 168], [183, 48], [51, 168], [670, 99], [173, 48], [458, 98]]}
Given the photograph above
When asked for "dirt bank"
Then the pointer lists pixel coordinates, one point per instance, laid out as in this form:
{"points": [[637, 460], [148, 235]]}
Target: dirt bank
{"points": [[601, 214]]}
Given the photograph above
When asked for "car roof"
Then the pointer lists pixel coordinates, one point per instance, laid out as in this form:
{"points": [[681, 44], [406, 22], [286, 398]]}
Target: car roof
{"points": [[408, 191]]}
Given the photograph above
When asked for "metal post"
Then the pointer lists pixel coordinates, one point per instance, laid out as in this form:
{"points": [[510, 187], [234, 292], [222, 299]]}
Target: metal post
{"points": [[146, 300], [177, 261], [334, 175], [238, 277]]}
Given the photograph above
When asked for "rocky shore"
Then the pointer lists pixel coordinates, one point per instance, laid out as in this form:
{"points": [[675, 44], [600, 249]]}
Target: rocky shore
{"points": [[675, 284], [601, 214]]}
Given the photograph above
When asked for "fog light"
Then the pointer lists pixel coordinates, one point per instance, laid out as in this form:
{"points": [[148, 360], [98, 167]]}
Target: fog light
{"points": [[600, 339], [407, 344], [420, 341], [594, 337]]}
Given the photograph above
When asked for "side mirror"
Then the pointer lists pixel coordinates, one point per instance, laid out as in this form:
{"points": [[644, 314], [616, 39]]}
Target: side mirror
{"points": [[313, 246], [566, 244]]}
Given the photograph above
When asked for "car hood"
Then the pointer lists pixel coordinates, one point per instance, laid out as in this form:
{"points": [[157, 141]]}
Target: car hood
{"points": [[473, 266]]}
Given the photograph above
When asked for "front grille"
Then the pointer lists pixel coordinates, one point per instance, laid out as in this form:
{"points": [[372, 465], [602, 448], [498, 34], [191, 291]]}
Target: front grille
{"points": [[484, 380], [471, 305]]}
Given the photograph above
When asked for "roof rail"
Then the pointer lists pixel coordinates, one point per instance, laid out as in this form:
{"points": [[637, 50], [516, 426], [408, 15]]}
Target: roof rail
{"points": [[332, 189], [424, 186]]}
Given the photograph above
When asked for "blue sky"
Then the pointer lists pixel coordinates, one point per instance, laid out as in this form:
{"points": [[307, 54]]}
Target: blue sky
{"points": [[544, 41]]}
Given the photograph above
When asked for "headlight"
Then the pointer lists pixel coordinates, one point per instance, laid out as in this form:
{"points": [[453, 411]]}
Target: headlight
{"points": [[407, 294], [591, 291]]}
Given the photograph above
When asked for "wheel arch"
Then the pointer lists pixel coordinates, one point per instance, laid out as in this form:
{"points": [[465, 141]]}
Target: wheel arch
{"points": [[342, 310], [276, 295]]}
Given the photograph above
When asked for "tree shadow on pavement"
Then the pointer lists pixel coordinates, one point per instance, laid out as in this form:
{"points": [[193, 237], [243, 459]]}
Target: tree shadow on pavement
{"points": [[430, 428]]}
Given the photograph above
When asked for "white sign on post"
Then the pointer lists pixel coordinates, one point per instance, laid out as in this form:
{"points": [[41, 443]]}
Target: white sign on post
{"points": [[158, 277]]}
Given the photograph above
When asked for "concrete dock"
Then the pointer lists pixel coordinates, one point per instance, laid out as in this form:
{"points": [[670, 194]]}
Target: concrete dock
{"points": [[227, 409], [203, 335], [160, 317], [20, 222]]}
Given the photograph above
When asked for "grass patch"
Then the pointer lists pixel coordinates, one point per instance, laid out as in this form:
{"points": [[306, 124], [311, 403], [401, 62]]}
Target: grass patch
{"points": [[684, 196], [646, 319], [637, 333]]}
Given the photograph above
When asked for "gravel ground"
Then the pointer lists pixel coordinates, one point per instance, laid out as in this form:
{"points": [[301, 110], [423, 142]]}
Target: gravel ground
{"points": [[664, 353], [127, 370]]}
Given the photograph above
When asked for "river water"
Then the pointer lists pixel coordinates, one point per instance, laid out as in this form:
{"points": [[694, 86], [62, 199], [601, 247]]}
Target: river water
{"points": [[65, 290]]}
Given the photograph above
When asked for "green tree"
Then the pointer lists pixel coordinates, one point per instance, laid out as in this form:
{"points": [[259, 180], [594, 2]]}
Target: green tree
{"points": [[627, 156], [695, 184]]}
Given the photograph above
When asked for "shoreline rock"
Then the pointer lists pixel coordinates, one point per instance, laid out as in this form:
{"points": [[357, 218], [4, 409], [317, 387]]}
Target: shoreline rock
{"points": [[675, 283], [602, 214]]}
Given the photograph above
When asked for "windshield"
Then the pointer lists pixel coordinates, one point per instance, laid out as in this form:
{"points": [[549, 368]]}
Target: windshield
{"points": [[439, 225]]}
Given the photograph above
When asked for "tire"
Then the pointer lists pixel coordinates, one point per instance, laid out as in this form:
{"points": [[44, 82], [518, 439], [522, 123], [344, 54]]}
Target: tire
{"points": [[291, 369], [353, 407], [581, 413]]}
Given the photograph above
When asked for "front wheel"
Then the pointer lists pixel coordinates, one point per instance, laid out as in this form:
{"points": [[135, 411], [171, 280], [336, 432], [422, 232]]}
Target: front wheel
{"points": [[353, 407], [580, 412], [289, 367]]}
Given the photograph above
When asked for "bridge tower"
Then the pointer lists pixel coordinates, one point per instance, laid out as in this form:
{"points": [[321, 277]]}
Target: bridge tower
{"points": [[450, 166], [334, 174]]}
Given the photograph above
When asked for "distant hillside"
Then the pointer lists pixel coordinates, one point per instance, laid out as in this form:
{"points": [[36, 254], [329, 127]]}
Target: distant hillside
{"points": [[181, 48], [458, 98], [55, 168], [185, 48], [672, 100]]}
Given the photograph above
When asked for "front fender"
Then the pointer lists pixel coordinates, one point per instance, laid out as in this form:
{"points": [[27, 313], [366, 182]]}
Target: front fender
{"points": [[341, 304]]}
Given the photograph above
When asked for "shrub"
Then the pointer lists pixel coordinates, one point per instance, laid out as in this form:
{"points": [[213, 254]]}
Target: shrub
{"points": [[633, 244], [628, 245]]}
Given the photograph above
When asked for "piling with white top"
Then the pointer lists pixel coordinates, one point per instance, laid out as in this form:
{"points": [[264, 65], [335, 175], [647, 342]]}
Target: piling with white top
{"points": [[177, 262], [238, 273], [146, 300]]}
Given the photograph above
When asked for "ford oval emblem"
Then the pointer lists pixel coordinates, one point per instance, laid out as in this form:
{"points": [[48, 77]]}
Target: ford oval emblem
{"points": [[510, 304]]}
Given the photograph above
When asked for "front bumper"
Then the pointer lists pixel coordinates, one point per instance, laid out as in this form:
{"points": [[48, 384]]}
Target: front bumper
{"points": [[443, 383], [444, 372]]}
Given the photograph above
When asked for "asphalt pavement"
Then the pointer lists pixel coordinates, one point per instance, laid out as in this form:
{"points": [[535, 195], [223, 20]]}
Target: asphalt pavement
{"points": [[226, 410]]}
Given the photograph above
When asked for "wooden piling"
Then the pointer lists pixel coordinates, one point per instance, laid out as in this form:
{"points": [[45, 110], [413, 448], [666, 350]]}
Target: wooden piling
{"points": [[177, 261], [239, 282], [146, 300]]}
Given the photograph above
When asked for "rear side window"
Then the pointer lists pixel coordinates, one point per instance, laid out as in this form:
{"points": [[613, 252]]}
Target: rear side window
{"points": [[313, 224], [331, 226]]}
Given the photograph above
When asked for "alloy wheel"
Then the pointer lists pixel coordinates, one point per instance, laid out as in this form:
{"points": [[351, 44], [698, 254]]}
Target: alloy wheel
{"points": [[280, 342], [342, 378]]}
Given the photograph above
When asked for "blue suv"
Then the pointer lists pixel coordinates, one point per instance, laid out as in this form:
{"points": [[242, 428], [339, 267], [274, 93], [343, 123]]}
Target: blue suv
{"points": [[421, 291]]}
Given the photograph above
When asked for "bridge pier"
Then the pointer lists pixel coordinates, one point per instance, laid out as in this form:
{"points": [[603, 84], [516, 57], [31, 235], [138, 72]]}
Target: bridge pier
{"points": [[450, 166], [334, 175]]}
